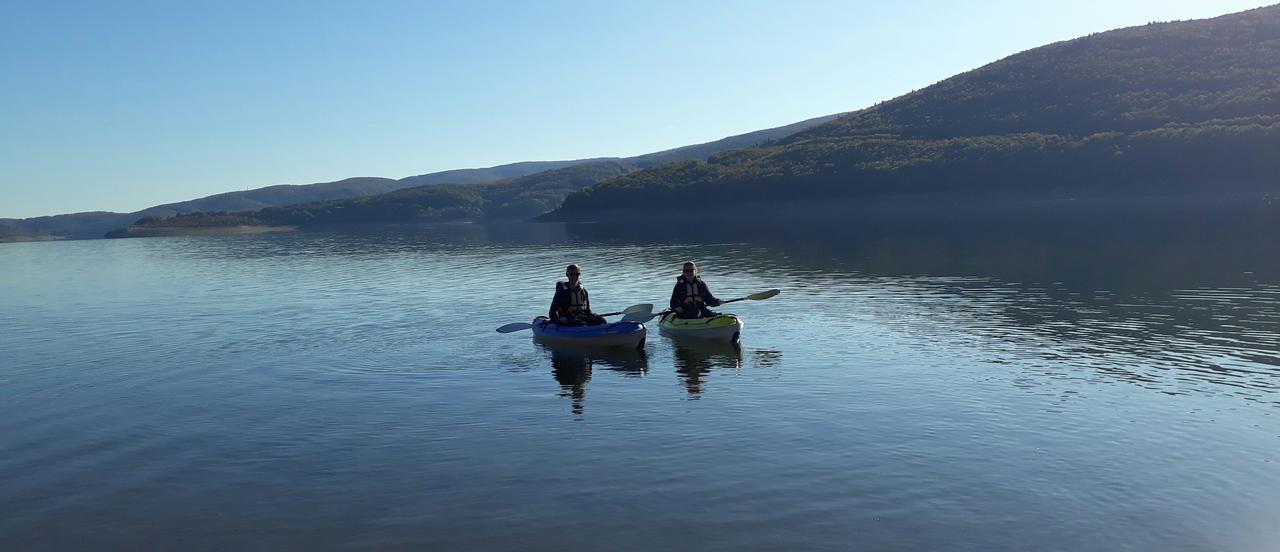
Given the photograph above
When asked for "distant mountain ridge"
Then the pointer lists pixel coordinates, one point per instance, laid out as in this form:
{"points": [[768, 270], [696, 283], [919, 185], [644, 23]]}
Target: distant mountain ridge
{"points": [[1189, 107], [95, 224], [490, 174], [277, 195]]}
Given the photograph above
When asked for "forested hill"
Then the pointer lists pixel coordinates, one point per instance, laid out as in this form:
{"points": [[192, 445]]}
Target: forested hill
{"points": [[1191, 106], [512, 195], [509, 199], [94, 224], [1127, 80], [517, 198]]}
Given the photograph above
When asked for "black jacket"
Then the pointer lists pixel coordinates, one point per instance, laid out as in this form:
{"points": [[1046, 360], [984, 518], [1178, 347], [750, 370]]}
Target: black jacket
{"points": [[560, 304], [681, 291]]}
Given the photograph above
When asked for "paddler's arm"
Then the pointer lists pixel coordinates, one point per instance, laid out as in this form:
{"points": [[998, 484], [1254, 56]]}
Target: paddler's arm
{"points": [[556, 302], [708, 298]]}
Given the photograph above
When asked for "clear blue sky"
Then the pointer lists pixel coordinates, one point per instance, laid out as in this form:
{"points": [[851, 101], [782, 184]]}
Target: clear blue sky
{"points": [[123, 105]]}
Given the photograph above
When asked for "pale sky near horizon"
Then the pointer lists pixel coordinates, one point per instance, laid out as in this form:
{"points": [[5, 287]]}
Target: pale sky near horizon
{"points": [[118, 106]]}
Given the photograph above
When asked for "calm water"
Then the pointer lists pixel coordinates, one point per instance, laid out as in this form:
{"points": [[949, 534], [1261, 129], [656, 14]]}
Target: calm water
{"points": [[983, 390]]}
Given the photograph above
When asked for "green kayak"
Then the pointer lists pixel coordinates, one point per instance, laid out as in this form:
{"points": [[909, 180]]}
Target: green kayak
{"points": [[723, 327]]}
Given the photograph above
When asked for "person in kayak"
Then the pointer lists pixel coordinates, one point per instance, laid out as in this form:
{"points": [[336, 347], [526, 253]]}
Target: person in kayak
{"points": [[570, 306], [690, 298]]}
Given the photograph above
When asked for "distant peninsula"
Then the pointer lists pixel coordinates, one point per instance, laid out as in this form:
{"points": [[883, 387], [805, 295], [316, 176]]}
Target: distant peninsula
{"points": [[198, 224]]}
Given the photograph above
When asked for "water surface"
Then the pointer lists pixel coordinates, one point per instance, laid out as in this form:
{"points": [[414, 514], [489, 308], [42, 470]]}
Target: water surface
{"points": [[910, 389]]}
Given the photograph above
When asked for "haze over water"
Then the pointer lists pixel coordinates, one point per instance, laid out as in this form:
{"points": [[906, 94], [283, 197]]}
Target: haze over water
{"points": [[1094, 389]]}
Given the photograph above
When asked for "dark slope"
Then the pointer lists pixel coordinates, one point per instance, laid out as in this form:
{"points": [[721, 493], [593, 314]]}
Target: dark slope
{"points": [[1185, 107], [703, 151]]}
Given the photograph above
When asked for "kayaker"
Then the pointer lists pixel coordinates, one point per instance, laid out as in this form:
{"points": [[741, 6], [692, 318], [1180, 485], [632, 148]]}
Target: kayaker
{"points": [[690, 298], [570, 306]]}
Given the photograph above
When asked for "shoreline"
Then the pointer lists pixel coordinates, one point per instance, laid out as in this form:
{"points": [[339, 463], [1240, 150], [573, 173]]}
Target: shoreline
{"points": [[160, 232]]}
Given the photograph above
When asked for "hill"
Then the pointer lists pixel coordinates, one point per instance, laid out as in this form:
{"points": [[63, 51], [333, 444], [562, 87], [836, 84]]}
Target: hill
{"points": [[509, 198], [490, 174], [94, 224], [515, 198], [252, 200], [1165, 108]]}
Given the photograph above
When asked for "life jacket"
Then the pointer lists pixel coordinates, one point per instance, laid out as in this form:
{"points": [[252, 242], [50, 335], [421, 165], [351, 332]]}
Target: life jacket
{"points": [[692, 291], [577, 302]]}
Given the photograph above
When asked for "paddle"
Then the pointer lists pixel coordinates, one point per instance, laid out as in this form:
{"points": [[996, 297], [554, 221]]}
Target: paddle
{"points": [[647, 316], [640, 309]]}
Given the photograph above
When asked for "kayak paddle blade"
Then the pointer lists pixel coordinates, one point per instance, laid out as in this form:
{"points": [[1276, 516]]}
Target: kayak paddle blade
{"points": [[514, 327], [642, 307], [640, 317], [763, 295]]}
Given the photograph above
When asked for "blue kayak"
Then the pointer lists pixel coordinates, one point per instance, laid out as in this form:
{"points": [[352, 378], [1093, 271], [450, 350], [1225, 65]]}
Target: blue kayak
{"points": [[616, 334]]}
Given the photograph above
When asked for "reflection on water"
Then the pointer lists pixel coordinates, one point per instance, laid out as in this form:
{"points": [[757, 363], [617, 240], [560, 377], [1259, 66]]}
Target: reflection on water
{"points": [[1176, 302], [694, 361], [344, 388], [571, 367], [572, 371]]}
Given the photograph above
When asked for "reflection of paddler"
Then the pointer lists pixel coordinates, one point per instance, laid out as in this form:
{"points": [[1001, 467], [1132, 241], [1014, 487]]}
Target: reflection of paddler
{"points": [[572, 371], [694, 359], [619, 359], [630, 361]]}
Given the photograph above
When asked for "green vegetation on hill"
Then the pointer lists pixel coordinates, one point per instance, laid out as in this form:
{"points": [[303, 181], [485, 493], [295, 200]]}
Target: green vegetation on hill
{"points": [[442, 202], [200, 220], [1132, 79], [510, 199], [252, 200], [489, 174], [1164, 108], [11, 232]]}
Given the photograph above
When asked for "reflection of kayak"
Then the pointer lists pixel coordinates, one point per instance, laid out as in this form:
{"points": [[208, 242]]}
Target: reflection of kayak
{"points": [[621, 359], [617, 334], [723, 327]]}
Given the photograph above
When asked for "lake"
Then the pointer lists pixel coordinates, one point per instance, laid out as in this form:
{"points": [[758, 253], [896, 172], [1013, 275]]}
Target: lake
{"points": [[1102, 387]]}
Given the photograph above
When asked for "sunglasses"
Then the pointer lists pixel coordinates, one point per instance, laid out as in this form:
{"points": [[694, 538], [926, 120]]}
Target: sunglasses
{"points": [[688, 270], [572, 273]]}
